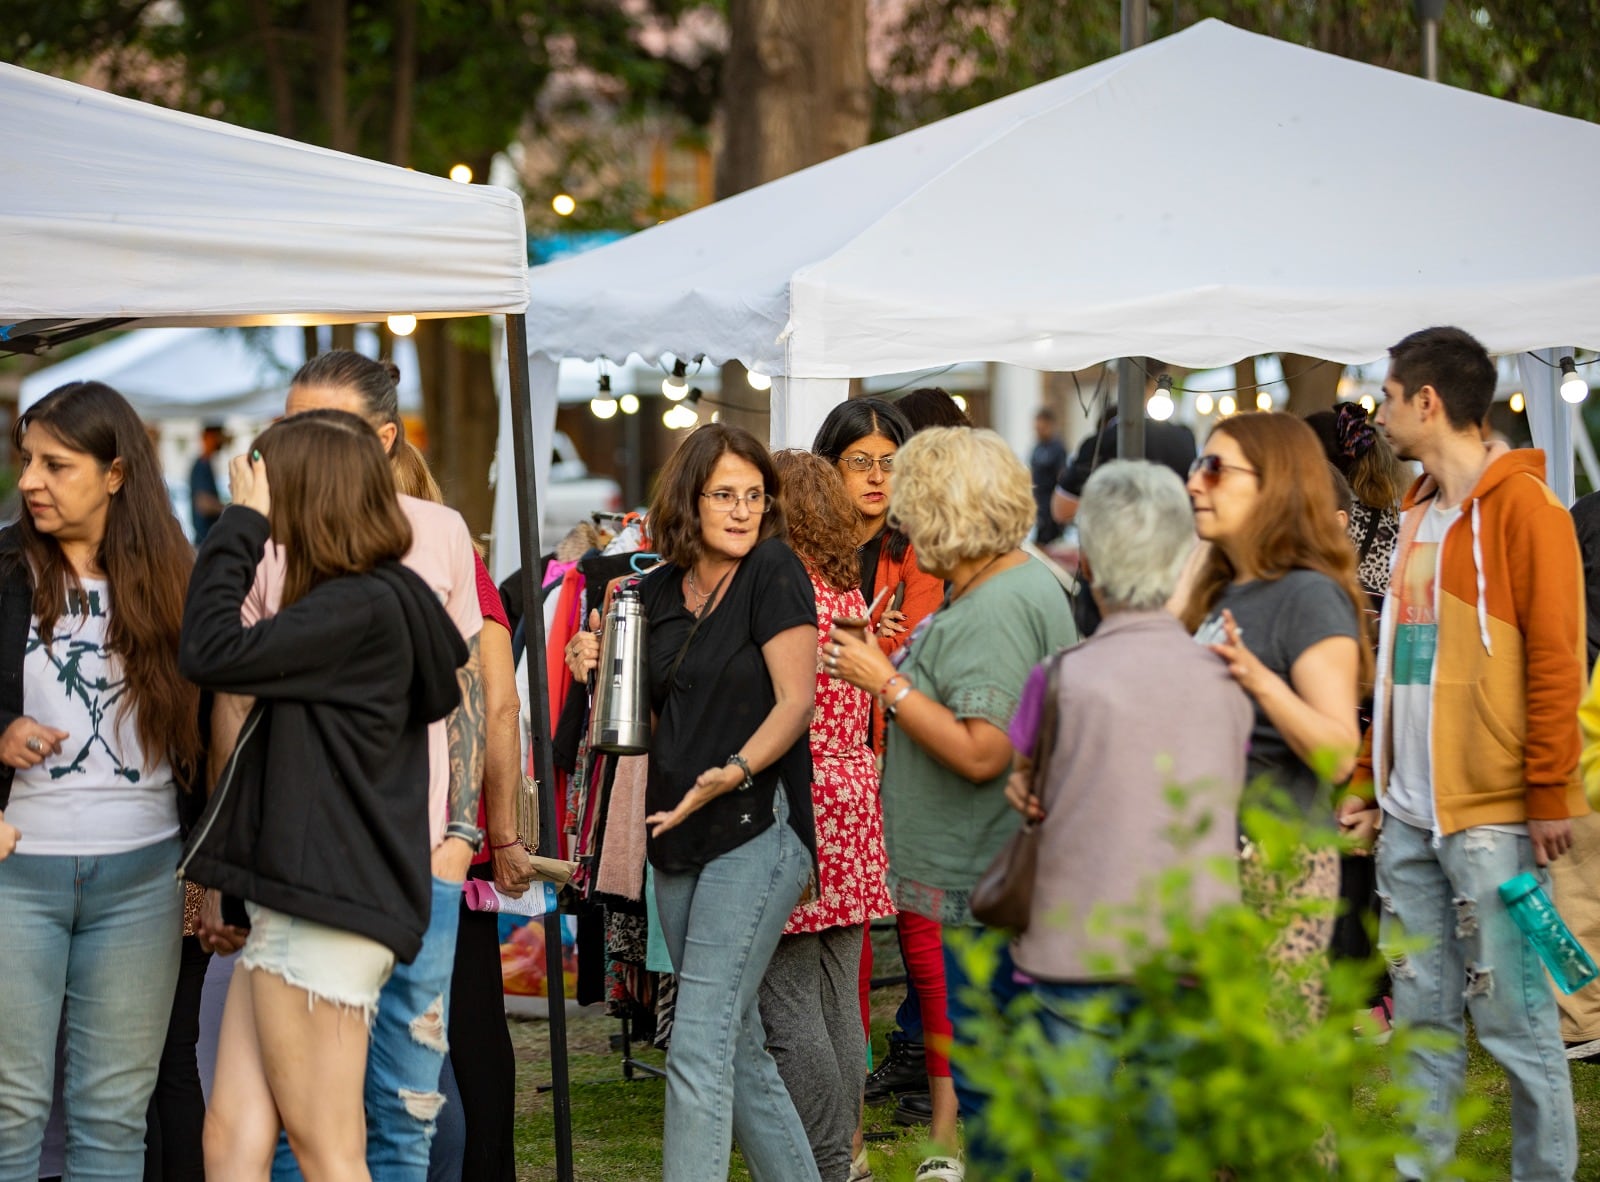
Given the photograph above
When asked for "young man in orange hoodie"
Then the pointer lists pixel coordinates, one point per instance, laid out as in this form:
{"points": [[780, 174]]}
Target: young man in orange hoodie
{"points": [[1473, 753]]}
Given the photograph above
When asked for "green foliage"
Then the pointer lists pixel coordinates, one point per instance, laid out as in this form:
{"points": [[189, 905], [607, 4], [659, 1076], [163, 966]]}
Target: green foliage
{"points": [[1228, 1064]]}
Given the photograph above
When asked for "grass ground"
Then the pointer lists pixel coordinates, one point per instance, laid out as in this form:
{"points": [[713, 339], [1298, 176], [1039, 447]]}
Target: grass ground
{"points": [[616, 1124]]}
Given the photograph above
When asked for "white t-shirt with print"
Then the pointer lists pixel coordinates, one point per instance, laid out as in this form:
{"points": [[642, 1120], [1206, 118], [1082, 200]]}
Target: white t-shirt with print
{"points": [[97, 797]]}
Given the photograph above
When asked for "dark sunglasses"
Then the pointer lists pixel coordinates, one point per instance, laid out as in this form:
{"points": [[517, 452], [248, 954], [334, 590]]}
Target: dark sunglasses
{"points": [[1209, 467]]}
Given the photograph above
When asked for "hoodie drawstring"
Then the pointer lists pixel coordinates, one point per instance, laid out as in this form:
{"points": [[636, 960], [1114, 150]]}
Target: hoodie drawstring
{"points": [[1477, 569]]}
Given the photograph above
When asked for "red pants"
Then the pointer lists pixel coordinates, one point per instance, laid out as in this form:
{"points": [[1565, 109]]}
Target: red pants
{"points": [[923, 952]]}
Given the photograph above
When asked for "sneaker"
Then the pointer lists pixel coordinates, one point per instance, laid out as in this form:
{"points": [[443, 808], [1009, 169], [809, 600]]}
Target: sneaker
{"points": [[860, 1171], [941, 1169], [1584, 1052], [914, 1108], [904, 1069]]}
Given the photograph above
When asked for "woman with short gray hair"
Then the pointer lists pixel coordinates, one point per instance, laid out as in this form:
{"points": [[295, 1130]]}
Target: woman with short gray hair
{"points": [[1136, 709]]}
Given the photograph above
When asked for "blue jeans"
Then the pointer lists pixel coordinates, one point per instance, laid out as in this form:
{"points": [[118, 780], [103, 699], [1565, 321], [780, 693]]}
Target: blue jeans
{"points": [[100, 935], [722, 925], [1449, 896], [1002, 989], [405, 1055]]}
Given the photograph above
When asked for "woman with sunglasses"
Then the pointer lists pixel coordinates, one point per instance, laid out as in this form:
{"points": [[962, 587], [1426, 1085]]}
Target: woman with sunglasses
{"points": [[732, 656], [1276, 597]]}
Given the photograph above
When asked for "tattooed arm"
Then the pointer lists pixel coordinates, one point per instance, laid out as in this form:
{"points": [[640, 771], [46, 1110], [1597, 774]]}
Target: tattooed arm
{"points": [[465, 731]]}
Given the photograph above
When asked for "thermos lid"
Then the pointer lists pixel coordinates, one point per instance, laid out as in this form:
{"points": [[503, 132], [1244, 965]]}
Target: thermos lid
{"points": [[1516, 888]]}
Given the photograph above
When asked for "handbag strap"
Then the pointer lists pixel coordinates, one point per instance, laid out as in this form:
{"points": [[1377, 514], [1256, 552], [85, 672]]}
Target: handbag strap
{"points": [[1044, 740]]}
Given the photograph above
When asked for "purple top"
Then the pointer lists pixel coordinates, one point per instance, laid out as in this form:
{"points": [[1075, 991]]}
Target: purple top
{"points": [[1024, 730]]}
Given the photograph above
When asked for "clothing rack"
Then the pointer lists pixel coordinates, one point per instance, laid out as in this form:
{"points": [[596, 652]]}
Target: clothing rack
{"points": [[629, 1063]]}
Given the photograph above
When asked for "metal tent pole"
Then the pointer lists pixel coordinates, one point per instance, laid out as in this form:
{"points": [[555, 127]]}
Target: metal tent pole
{"points": [[1130, 381], [539, 709], [1429, 13]]}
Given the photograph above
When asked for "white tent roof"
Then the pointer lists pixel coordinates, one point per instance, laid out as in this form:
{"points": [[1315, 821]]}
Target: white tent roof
{"points": [[1210, 196], [204, 373], [117, 209]]}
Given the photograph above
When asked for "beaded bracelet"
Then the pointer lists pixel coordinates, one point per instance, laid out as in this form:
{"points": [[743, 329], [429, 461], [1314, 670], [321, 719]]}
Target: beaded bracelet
{"points": [[884, 688], [890, 707]]}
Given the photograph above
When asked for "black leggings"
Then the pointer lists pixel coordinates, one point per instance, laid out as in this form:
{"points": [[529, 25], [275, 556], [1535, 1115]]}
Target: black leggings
{"points": [[481, 1053], [177, 1114]]}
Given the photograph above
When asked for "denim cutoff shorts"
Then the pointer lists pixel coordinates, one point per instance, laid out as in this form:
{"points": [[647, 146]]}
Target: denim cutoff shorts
{"points": [[330, 964]]}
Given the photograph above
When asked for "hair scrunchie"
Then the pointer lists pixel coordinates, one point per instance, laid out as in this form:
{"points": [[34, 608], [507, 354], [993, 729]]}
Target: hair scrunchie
{"points": [[1353, 430]]}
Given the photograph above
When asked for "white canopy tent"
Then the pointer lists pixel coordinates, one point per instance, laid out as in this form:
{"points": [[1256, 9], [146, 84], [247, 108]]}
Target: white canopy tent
{"points": [[113, 212], [1209, 196]]}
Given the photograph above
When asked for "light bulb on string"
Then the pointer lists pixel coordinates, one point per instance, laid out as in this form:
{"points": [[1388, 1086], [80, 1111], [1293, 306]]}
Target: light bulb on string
{"points": [[1226, 405], [679, 417], [1573, 388], [564, 204], [602, 405], [1518, 403], [961, 401], [1161, 406], [629, 404], [1368, 403], [677, 385], [1263, 400], [1204, 404], [402, 324], [461, 173], [757, 379]]}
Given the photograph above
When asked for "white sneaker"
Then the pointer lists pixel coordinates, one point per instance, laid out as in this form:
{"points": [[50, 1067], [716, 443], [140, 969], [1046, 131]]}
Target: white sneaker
{"points": [[941, 1169], [1583, 1050], [860, 1171]]}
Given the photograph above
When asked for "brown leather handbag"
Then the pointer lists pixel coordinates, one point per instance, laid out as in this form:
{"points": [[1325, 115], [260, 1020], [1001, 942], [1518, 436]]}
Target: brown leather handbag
{"points": [[1003, 896]]}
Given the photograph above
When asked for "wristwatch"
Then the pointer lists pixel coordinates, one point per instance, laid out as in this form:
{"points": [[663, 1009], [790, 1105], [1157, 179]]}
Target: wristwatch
{"points": [[737, 760], [470, 834]]}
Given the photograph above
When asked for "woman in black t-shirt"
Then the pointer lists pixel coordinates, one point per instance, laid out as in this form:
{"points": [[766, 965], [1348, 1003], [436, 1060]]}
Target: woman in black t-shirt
{"points": [[732, 651]]}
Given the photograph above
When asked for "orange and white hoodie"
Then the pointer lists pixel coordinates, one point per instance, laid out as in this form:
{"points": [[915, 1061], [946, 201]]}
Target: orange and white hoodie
{"points": [[1508, 672]]}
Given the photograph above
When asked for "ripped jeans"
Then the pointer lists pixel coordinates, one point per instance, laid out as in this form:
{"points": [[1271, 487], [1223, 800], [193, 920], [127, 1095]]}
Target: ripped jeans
{"points": [[1476, 959], [405, 1055]]}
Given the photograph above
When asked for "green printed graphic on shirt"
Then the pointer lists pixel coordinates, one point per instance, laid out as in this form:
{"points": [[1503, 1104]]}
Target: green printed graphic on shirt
{"points": [[1416, 633]]}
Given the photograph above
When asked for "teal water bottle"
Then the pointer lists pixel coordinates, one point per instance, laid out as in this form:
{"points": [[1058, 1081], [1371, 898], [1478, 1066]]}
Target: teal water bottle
{"points": [[1533, 912]]}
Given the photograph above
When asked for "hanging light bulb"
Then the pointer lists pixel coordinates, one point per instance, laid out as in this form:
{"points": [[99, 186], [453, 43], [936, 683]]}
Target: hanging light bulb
{"points": [[1263, 400], [402, 324], [757, 379], [959, 400], [602, 405], [629, 404], [679, 418], [1160, 406], [676, 386], [1518, 403], [1368, 403], [1226, 405], [1573, 387], [1204, 404], [563, 204], [461, 173]]}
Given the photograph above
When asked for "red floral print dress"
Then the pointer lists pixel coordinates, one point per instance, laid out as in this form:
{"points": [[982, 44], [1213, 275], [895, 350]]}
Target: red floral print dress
{"points": [[844, 793]]}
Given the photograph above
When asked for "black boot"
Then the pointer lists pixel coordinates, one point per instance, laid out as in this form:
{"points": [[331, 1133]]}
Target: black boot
{"points": [[914, 1108], [903, 1070]]}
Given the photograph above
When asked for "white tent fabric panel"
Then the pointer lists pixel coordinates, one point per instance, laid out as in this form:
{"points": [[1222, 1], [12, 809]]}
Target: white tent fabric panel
{"points": [[112, 208], [1221, 194]]}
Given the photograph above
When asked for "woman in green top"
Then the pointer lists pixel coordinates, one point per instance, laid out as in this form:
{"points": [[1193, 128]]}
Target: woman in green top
{"points": [[966, 503]]}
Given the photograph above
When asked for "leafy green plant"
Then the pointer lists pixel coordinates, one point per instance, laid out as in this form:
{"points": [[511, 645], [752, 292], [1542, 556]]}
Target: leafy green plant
{"points": [[1218, 1060]]}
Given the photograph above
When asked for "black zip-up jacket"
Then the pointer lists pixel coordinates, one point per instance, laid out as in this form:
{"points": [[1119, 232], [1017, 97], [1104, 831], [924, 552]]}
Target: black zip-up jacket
{"points": [[16, 617], [322, 810]]}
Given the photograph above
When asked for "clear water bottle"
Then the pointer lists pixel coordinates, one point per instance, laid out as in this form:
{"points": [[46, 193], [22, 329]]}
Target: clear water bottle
{"points": [[1533, 912]]}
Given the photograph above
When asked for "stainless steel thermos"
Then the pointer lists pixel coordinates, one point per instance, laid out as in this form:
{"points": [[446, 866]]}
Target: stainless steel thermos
{"points": [[619, 721]]}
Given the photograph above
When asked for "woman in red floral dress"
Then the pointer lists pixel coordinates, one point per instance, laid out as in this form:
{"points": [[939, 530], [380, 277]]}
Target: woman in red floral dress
{"points": [[809, 1001]]}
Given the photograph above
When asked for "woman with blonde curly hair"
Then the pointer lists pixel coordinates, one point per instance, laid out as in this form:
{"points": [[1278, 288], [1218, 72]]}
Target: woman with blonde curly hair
{"points": [[809, 1002], [966, 502]]}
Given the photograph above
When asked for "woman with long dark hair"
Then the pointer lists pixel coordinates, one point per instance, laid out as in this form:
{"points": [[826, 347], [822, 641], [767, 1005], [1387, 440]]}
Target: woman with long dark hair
{"points": [[1276, 596], [100, 746], [320, 820]]}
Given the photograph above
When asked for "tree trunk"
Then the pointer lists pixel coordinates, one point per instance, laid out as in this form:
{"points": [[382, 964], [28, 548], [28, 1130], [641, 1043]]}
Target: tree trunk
{"points": [[1313, 384], [796, 92], [405, 76], [277, 71], [333, 30]]}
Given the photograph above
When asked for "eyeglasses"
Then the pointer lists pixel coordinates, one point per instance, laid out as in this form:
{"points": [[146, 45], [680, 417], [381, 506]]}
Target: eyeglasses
{"points": [[723, 501], [865, 463], [1209, 467]]}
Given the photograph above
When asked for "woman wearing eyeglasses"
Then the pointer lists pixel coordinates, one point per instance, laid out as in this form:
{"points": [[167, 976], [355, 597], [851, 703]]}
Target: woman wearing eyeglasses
{"points": [[1277, 598], [732, 653]]}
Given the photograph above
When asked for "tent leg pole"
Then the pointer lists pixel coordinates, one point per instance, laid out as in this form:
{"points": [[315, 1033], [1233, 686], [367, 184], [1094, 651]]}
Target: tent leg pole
{"points": [[1130, 410], [539, 709]]}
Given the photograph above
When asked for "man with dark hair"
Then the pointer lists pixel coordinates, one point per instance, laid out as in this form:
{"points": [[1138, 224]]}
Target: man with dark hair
{"points": [[1049, 457], [205, 499], [1473, 752]]}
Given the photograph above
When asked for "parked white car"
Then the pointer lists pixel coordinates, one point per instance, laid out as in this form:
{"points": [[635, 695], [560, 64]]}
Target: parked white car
{"points": [[574, 494]]}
